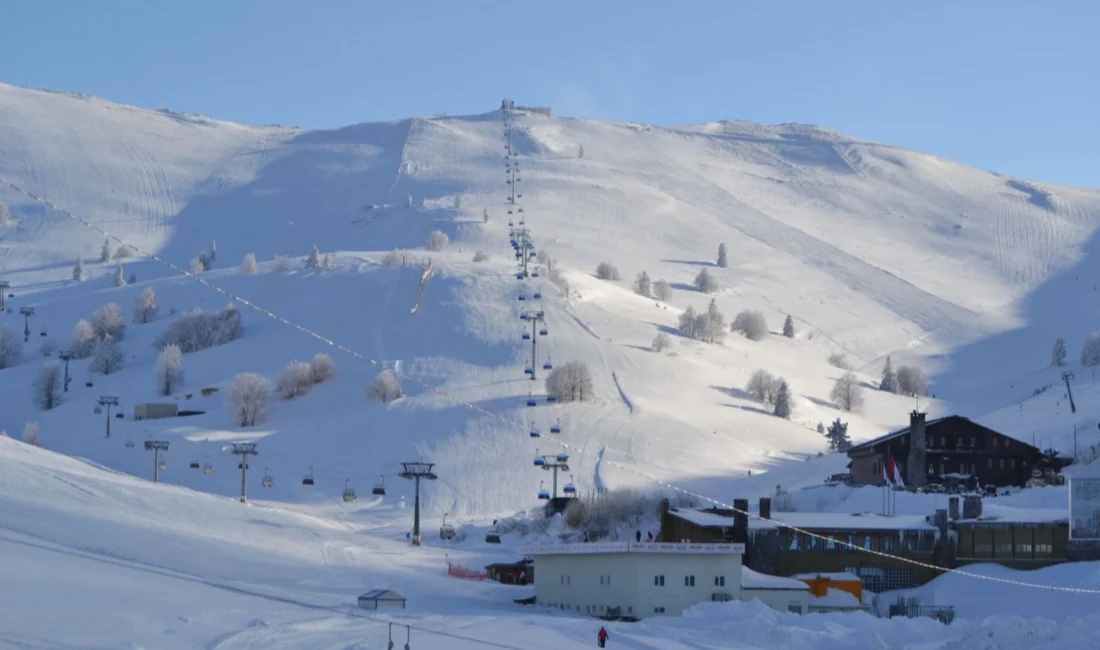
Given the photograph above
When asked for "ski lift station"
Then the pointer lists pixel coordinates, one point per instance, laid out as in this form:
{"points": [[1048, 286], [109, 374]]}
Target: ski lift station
{"points": [[638, 580], [381, 599]]}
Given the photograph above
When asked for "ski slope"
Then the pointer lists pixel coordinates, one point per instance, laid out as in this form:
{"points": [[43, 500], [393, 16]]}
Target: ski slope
{"points": [[873, 250]]}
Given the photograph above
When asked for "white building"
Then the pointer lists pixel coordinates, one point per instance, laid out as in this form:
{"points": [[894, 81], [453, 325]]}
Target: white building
{"points": [[635, 579], [783, 594]]}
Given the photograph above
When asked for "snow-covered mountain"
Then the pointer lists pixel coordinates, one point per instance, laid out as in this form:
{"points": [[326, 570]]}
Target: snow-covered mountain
{"points": [[873, 250]]}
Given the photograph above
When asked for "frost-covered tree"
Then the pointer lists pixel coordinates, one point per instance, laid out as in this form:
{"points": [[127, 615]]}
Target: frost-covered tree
{"points": [[196, 267], [662, 290], [713, 326], [169, 370], [580, 151], [458, 202], [688, 323], [751, 325], [820, 428], [837, 435], [321, 367], [705, 282], [132, 279], [46, 387], [847, 393], [213, 251], [48, 347], [326, 262], [206, 260], [838, 360], [281, 264], [120, 276], [485, 216], [661, 342], [607, 271], [30, 434], [78, 271], [437, 240], [763, 387], [145, 306], [249, 266], [123, 251], [248, 399], [105, 252], [108, 357], [642, 285], [480, 256], [1058, 355], [409, 201], [108, 322], [889, 381], [723, 261], [83, 339], [385, 387], [570, 382], [912, 381], [313, 260], [5, 215], [394, 258], [198, 330], [783, 401], [788, 327], [10, 348], [294, 380]]}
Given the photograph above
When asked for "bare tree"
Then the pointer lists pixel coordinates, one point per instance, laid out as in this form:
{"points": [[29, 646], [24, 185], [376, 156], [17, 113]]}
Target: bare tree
{"points": [[1058, 355], [437, 240], [838, 360], [606, 271], [281, 264], [10, 348], [108, 357], [249, 266], [123, 252], [248, 399], [570, 382], [847, 393], [713, 326], [662, 290], [145, 305], [641, 284], [169, 370], [723, 261], [705, 282], [107, 322], [480, 256], [661, 342], [321, 367], [385, 387], [763, 387], [83, 339], [912, 381], [198, 330], [46, 388], [314, 258], [30, 434], [751, 325], [688, 323], [78, 271], [295, 379]]}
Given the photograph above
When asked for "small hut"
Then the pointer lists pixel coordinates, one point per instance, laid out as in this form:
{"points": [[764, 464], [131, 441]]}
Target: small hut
{"points": [[380, 598], [512, 573]]}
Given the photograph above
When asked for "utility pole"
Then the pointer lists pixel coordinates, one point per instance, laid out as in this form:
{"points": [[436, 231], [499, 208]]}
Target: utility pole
{"points": [[156, 446], [415, 472], [555, 463], [1067, 377], [4, 284], [109, 401], [27, 313], [244, 450], [66, 356]]}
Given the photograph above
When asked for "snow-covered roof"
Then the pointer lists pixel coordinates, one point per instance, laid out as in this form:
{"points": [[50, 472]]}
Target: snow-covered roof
{"points": [[841, 576], [1010, 515], [631, 547], [863, 446], [810, 520], [382, 594], [837, 598], [755, 580], [703, 517]]}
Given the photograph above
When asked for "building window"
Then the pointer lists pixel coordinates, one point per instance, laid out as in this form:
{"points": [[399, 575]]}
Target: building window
{"points": [[719, 581], [689, 581], [793, 546], [943, 442], [658, 581], [1012, 463], [830, 543], [973, 441], [1044, 549], [962, 468], [888, 543], [1002, 463], [794, 607], [630, 609], [870, 542], [931, 469], [1023, 549], [658, 610], [973, 469], [1003, 550], [990, 463]]}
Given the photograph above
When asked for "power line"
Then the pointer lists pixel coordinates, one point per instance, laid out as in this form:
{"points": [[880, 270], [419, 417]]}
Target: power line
{"points": [[511, 423]]}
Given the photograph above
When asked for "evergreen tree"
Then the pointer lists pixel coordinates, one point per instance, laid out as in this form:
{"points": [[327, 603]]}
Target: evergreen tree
{"points": [[120, 276], [213, 251], [820, 428], [783, 401], [78, 271], [788, 327], [105, 252], [838, 436], [889, 378], [642, 285], [723, 261], [314, 259], [1058, 356]]}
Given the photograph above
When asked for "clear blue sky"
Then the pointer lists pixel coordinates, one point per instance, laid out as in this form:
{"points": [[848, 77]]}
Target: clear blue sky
{"points": [[1006, 85]]}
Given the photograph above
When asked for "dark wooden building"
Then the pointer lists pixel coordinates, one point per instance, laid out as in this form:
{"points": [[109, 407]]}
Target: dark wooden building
{"points": [[947, 449]]}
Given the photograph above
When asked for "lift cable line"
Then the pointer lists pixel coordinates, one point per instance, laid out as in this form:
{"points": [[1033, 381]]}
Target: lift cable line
{"points": [[519, 426]]}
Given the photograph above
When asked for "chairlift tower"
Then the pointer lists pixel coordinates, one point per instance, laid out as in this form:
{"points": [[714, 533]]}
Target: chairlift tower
{"points": [[244, 450], [109, 401], [535, 319], [415, 472], [156, 446], [4, 285], [553, 463], [66, 356], [1068, 377], [27, 313]]}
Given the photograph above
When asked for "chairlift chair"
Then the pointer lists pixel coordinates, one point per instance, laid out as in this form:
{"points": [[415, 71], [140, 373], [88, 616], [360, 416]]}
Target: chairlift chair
{"points": [[526, 336], [539, 460], [540, 314], [349, 493], [194, 464], [562, 458], [42, 333], [162, 465], [534, 274], [89, 384], [120, 416], [537, 295], [267, 481], [519, 276], [308, 478], [446, 531], [521, 209], [569, 488], [522, 297], [556, 427], [551, 398], [239, 466], [380, 488], [544, 332], [523, 316], [207, 469], [509, 211], [531, 401], [129, 443], [519, 255], [547, 365], [492, 538], [97, 410], [543, 494]]}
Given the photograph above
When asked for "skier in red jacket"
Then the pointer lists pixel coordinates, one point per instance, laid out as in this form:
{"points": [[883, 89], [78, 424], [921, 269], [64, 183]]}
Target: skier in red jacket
{"points": [[601, 638]]}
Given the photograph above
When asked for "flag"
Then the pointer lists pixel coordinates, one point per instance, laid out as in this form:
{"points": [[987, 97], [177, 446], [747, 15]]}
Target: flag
{"points": [[888, 470], [896, 474]]}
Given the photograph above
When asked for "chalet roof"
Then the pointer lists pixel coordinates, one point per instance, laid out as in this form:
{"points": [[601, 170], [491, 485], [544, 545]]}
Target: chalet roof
{"points": [[754, 580], [827, 521], [382, 594], [928, 425]]}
